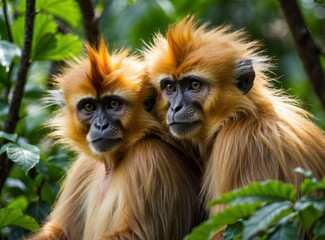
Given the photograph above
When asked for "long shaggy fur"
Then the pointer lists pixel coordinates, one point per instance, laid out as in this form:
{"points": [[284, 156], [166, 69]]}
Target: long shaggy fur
{"points": [[146, 189], [245, 137]]}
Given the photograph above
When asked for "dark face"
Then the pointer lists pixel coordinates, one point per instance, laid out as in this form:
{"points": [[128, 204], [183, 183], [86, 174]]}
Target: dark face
{"points": [[102, 118], [185, 96]]}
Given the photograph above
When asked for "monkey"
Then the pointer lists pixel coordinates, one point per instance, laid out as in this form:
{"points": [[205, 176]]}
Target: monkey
{"points": [[130, 179], [216, 96]]}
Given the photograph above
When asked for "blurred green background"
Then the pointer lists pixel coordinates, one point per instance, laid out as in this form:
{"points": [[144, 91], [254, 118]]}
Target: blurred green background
{"points": [[124, 23]]}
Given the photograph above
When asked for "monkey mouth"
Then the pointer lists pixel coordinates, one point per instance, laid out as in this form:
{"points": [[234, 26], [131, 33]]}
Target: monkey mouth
{"points": [[104, 144], [183, 129]]}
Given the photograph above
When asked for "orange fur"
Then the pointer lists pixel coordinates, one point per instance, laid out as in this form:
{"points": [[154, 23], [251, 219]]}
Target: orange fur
{"points": [[146, 188], [244, 137]]}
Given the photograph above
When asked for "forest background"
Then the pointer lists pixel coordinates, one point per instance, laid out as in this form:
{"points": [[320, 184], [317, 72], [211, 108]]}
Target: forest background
{"points": [[31, 51]]}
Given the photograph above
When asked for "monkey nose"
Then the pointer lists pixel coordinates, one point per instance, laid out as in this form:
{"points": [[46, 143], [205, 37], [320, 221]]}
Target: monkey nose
{"points": [[101, 123]]}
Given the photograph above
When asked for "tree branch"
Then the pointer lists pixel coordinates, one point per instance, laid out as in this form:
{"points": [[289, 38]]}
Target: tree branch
{"points": [[90, 22], [17, 95], [309, 51]]}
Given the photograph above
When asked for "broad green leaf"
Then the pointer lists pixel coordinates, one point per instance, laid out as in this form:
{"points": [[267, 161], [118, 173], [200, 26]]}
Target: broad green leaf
{"points": [[17, 30], [132, 1], [256, 191], [309, 210], [5, 146], [9, 136], [229, 215], [43, 24], [233, 231], [19, 202], [319, 230], [8, 51], [286, 231], [14, 217], [66, 10], [45, 43], [59, 47], [38, 210], [264, 217], [26, 156], [311, 185], [304, 202]]}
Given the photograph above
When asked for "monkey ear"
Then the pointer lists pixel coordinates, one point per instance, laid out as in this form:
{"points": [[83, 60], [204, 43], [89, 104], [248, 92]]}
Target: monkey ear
{"points": [[244, 74]]}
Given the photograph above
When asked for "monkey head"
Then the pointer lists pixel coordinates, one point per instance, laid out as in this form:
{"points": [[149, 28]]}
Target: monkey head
{"points": [[105, 103], [204, 76]]}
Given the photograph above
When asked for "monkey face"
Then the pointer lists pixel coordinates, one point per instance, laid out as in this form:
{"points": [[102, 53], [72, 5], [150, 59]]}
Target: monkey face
{"points": [[185, 97], [105, 103], [103, 120]]}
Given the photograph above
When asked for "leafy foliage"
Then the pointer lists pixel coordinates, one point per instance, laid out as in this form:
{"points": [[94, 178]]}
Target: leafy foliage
{"points": [[268, 210], [31, 191]]}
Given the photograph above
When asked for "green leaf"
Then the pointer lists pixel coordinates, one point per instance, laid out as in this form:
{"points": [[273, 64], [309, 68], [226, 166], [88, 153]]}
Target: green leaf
{"points": [[309, 210], [8, 51], [9, 136], [319, 229], [58, 47], [311, 185], [17, 30], [26, 156], [229, 215], [286, 231], [305, 173], [66, 10], [5, 146], [233, 231], [259, 191], [14, 217], [304, 202], [264, 217], [47, 43], [131, 1]]}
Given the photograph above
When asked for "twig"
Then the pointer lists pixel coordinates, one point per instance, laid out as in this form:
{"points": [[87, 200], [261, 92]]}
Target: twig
{"points": [[90, 22], [17, 95], [308, 50]]}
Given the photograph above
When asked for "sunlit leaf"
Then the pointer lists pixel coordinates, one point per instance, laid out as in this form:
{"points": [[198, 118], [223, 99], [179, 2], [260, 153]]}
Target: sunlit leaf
{"points": [[26, 156], [17, 30], [59, 47], [311, 185], [9, 136], [264, 217], [269, 190], [14, 217], [229, 215], [305, 173], [66, 10], [8, 51]]}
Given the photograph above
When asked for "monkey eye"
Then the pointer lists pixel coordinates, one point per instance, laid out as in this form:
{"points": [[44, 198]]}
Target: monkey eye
{"points": [[170, 88], [89, 107], [114, 104], [195, 85]]}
